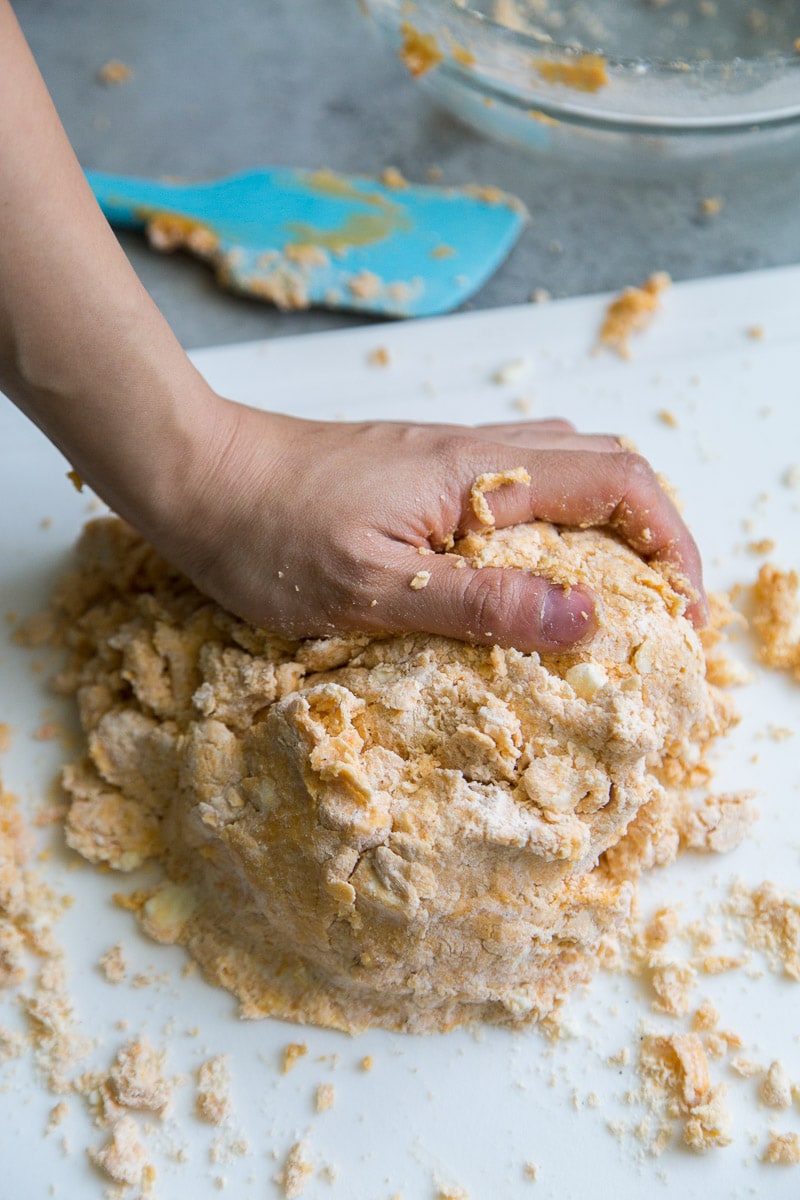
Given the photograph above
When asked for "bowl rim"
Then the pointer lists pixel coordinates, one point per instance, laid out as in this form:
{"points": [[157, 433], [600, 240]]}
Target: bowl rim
{"points": [[648, 126], [678, 66]]}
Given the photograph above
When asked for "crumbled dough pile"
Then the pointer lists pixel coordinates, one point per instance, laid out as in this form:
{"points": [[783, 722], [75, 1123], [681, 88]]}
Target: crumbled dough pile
{"points": [[400, 831], [674, 1068], [29, 909], [136, 1079]]}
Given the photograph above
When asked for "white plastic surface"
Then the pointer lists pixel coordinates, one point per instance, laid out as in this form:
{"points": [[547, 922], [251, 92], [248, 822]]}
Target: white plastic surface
{"points": [[465, 1109]]}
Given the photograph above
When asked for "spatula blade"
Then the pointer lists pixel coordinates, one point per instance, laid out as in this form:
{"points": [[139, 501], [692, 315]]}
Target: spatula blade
{"points": [[300, 238]]}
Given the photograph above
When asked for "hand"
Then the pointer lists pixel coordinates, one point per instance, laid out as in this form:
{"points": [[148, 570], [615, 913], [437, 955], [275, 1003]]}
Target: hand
{"points": [[310, 527], [301, 526]]}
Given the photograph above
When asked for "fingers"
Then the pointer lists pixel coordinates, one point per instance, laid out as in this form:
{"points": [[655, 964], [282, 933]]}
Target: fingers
{"points": [[551, 424], [490, 606], [547, 435], [586, 489]]}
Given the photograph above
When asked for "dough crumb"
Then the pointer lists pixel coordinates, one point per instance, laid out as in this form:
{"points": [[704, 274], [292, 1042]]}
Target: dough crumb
{"points": [[724, 623], [705, 1018], [137, 1080], [782, 1149], [296, 1170], [420, 580], [419, 52], [676, 1084], [167, 232], [213, 1102], [661, 928], [720, 964], [745, 1066], [114, 72], [673, 984], [392, 178], [306, 255], [124, 1157], [113, 965], [711, 206], [631, 312], [379, 357], [584, 73], [776, 619], [719, 824], [324, 1097], [489, 482], [366, 285], [58, 1114], [511, 372], [292, 1055], [776, 1087], [770, 921]]}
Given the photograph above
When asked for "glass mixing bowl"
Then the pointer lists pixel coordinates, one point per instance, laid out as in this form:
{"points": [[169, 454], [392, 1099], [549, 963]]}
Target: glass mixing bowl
{"points": [[636, 83]]}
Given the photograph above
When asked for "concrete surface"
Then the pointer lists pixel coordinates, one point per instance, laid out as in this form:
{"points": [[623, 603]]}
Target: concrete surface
{"points": [[221, 87]]}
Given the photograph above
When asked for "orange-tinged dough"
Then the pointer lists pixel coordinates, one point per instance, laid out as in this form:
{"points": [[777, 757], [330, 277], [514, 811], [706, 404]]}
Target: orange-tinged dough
{"points": [[401, 831]]}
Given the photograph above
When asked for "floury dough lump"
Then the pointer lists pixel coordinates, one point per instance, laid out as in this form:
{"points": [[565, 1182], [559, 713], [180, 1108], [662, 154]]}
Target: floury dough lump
{"points": [[400, 831]]}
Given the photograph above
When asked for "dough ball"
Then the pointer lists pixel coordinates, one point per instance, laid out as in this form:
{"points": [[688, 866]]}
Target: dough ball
{"points": [[400, 831]]}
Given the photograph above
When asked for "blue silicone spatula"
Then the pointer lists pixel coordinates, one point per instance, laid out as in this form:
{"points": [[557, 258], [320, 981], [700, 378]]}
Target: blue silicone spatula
{"points": [[302, 238]]}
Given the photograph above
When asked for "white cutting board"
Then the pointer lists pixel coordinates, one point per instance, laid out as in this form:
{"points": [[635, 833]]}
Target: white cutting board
{"points": [[467, 1109]]}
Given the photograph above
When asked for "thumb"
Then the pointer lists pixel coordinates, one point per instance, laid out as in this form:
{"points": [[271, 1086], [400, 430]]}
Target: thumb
{"points": [[504, 606]]}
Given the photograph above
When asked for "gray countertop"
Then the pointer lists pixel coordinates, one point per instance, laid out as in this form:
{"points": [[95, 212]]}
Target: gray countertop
{"points": [[222, 87]]}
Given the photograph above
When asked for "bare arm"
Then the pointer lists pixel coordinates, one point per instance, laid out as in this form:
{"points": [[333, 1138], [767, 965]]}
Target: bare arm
{"points": [[83, 350], [292, 524]]}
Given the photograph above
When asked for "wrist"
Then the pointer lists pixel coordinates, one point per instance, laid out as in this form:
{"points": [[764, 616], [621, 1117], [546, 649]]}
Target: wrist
{"points": [[130, 414]]}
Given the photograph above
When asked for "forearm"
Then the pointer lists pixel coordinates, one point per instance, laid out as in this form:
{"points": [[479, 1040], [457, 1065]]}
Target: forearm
{"points": [[83, 350]]}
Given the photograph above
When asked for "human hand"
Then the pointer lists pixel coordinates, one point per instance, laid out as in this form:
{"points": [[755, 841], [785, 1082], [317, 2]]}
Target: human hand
{"points": [[311, 527], [302, 526]]}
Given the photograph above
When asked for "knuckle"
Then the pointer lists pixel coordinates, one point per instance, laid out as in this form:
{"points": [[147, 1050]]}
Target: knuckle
{"points": [[637, 473], [345, 575], [453, 449]]}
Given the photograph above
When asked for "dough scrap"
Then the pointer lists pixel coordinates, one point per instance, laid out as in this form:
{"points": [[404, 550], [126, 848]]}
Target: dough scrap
{"points": [[400, 831]]}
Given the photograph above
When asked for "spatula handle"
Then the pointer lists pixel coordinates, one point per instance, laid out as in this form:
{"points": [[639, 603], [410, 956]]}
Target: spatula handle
{"points": [[129, 202]]}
